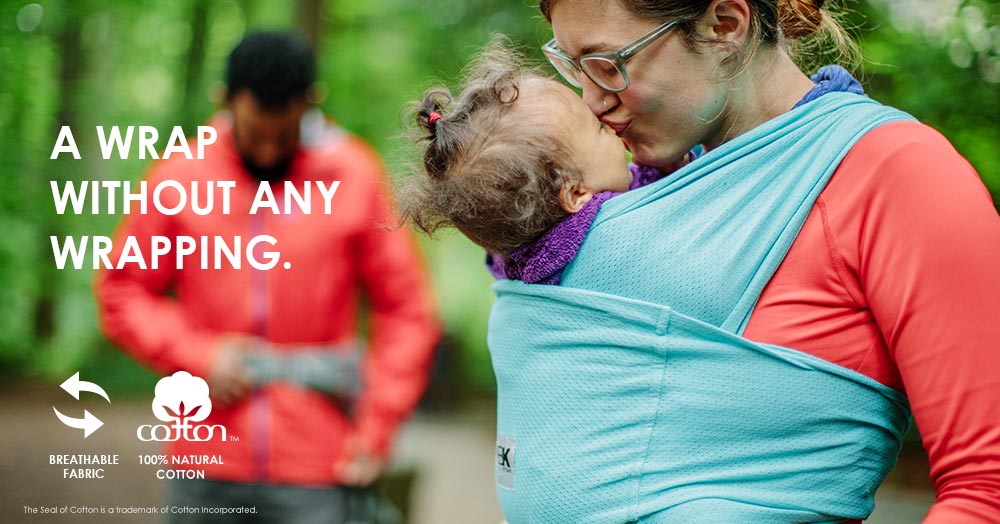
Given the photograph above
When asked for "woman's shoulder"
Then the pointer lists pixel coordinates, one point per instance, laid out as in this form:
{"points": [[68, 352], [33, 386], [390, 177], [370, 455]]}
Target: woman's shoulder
{"points": [[904, 162], [898, 134], [904, 184]]}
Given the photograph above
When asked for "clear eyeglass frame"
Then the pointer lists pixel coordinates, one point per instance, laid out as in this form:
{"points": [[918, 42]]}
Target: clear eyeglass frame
{"points": [[606, 69]]}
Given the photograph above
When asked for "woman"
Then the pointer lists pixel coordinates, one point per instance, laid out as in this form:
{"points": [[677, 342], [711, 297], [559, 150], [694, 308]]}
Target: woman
{"points": [[881, 275]]}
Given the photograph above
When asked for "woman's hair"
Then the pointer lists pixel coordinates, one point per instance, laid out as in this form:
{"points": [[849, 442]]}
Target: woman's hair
{"points": [[807, 28], [491, 167]]}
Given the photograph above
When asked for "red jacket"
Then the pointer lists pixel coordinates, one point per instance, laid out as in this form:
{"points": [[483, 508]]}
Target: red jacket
{"points": [[283, 433]]}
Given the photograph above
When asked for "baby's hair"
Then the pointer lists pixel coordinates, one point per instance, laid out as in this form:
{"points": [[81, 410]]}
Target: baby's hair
{"points": [[490, 168]]}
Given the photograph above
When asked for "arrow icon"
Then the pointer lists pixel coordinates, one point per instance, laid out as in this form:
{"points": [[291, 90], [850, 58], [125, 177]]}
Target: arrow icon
{"points": [[89, 423], [74, 386]]}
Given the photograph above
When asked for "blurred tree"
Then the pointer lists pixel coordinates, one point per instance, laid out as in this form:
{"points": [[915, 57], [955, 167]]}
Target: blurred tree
{"points": [[69, 74], [195, 65], [911, 62], [309, 20]]}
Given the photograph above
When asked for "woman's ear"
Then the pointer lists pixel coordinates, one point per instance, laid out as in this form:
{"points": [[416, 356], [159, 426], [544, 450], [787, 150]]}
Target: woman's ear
{"points": [[727, 21], [573, 196]]}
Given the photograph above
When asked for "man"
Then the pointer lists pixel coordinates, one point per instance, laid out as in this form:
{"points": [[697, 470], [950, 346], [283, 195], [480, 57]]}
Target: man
{"points": [[296, 445]]}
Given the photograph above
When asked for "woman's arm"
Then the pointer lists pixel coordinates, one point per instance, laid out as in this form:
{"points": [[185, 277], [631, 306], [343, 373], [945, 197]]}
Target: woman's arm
{"points": [[896, 275], [928, 262]]}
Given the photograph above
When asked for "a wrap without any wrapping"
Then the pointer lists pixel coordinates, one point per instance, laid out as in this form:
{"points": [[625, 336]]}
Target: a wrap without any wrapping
{"points": [[627, 395]]}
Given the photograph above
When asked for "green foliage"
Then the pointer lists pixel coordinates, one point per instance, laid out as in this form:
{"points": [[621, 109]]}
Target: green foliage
{"points": [[87, 63], [917, 73]]}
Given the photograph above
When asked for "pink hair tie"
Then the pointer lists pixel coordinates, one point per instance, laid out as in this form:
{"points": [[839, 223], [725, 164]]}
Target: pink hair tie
{"points": [[433, 117]]}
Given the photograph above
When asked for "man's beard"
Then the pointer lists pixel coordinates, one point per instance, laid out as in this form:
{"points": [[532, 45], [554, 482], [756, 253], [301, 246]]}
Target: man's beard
{"points": [[274, 172]]}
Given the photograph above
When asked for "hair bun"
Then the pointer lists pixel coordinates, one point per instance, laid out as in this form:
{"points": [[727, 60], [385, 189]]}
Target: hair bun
{"points": [[429, 109], [799, 18]]}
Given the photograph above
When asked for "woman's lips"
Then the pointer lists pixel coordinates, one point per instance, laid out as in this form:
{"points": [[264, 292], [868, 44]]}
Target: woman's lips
{"points": [[619, 127]]}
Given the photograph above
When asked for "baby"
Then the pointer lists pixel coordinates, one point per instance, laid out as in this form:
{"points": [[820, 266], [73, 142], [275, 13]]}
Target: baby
{"points": [[518, 164]]}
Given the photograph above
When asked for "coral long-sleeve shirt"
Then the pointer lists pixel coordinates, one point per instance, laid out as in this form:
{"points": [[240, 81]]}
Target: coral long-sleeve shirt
{"points": [[171, 318], [896, 274]]}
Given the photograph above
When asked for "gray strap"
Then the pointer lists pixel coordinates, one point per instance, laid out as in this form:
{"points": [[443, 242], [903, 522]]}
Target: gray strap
{"points": [[330, 369]]}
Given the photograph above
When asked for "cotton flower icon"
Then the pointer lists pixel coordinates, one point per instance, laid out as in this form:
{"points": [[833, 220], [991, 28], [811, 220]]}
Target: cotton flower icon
{"points": [[182, 398]]}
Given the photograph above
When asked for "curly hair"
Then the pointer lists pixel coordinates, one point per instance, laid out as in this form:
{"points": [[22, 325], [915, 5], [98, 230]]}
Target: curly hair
{"points": [[490, 167]]}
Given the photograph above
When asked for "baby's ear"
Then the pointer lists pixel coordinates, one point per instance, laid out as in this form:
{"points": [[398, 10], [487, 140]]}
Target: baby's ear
{"points": [[573, 196]]}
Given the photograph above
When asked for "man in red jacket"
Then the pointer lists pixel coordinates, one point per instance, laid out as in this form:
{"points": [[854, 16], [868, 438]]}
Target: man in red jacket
{"points": [[305, 421]]}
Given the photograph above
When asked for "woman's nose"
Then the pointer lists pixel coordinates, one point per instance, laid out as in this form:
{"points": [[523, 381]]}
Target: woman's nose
{"points": [[594, 96]]}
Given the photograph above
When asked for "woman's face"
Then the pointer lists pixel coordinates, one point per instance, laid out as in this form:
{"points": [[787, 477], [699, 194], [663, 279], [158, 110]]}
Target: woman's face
{"points": [[674, 99]]}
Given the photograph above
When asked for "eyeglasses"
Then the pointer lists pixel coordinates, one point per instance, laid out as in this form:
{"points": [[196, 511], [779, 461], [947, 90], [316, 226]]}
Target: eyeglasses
{"points": [[607, 69]]}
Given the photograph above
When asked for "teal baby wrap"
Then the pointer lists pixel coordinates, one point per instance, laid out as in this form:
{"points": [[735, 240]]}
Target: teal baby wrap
{"points": [[627, 395]]}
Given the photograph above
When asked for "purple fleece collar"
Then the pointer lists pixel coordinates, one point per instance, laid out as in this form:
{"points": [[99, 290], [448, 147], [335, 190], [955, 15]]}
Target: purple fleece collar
{"points": [[831, 79]]}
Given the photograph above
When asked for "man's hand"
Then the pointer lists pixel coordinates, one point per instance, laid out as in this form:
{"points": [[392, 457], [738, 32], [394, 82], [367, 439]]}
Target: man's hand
{"points": [[357, 466], [228, 382]]}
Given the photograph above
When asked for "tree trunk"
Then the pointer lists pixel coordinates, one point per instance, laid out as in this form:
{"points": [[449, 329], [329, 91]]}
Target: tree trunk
{"points": [[309, 20], [247, 8], [195, 62], [69, 43]]}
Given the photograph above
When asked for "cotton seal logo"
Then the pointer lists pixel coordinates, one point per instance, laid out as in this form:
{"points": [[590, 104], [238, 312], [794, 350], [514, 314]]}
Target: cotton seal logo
{"points": [[181, 399]]}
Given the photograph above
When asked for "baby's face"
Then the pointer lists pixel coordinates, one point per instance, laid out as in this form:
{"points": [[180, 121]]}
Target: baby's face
{"points": [[594, 146]]}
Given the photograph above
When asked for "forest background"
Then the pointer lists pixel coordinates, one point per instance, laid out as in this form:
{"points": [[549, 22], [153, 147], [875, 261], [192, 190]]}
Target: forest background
{"points": [[85, 63]]}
